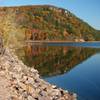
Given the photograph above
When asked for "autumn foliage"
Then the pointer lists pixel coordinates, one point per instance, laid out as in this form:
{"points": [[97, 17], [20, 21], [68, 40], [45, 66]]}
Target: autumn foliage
{"points": [[44, 23]]}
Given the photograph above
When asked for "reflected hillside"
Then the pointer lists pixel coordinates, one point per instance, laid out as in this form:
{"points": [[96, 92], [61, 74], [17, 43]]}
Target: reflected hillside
{"points": [[51, 60]]}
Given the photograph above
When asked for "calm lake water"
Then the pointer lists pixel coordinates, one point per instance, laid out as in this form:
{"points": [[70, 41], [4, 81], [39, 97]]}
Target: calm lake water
{"points": [[71, 66]]}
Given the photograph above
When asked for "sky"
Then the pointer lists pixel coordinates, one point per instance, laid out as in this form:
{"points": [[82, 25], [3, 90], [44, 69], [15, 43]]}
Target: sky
{"points": [[87, 10]]}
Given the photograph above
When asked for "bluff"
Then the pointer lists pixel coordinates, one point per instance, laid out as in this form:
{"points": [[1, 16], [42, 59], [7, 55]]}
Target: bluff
{"points": [[44, 22]]}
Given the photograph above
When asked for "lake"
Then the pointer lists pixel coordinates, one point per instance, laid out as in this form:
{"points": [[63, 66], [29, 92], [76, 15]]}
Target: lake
{"points": [[72, 66]]}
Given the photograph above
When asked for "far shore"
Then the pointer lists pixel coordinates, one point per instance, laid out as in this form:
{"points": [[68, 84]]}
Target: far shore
{"points": [[45, 41]]}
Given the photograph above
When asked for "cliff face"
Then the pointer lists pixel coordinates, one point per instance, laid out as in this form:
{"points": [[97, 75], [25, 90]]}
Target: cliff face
{"points": [[45, 23]]}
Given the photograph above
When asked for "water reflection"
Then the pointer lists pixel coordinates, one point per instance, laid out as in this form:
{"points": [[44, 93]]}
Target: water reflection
{"points": [[84, 79], [54, 60]]}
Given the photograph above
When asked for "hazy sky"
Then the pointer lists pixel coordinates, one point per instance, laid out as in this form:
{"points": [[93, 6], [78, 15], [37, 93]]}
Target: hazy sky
{"points": [[88, 10]]}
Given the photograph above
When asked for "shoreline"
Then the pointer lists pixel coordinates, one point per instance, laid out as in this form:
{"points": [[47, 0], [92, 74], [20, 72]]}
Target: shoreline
{"points": [[24, 83], [29, 41]]}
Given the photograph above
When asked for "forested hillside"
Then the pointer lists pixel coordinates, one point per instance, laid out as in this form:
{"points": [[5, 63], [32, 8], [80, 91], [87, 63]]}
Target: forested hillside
{"points": [[44, 23]]}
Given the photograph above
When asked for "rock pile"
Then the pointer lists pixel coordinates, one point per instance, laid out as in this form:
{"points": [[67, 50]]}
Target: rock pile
{"points": [[25, 82]]}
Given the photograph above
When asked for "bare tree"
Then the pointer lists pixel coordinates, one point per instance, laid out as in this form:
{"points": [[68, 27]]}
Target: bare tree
{"points": [[1, 44]]}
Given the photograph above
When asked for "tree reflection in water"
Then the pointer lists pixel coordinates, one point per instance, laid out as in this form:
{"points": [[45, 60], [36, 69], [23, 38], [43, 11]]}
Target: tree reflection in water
{"points": [[54, 60]]}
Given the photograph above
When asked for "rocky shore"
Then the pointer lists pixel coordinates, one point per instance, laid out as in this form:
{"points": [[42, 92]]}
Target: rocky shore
{"points": [[19, 82]]}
